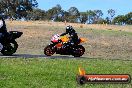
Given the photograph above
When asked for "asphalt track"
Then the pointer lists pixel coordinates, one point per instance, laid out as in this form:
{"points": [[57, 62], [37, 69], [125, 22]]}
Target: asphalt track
{"points": [[41, 56], [68, 57]]}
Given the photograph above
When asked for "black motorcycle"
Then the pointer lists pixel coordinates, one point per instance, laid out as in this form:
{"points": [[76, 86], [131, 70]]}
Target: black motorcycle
{"points": [[9, 45]]}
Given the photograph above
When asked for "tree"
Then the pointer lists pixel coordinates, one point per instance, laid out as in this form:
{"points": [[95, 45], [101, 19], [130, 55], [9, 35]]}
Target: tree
{"points": [[120, 19], [128, 18], [123, 19], [36, 14], [58, 7], [83, 17], [66, 15], [101, 21], [111, 12], [73, 11], [91, 16], [107, 19], [53, 13], [73, 14], [17, 8], [98, 14]]}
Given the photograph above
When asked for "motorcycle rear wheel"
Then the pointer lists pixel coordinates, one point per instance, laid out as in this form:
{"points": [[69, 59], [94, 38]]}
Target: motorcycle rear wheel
{"points": [[78, 51], [48, 50]]}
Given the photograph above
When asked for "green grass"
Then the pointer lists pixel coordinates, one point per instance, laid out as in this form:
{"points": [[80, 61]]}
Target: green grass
{"points": [[62, 72], [109, 33], [113, 33], [58, 73]]}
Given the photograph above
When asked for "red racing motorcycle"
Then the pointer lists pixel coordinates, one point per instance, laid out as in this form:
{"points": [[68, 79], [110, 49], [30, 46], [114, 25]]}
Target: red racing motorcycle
{"points": [[57, 42]]}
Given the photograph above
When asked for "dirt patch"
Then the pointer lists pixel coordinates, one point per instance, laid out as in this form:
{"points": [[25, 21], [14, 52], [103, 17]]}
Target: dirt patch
{"points": [[101, 44], [127, 28]]}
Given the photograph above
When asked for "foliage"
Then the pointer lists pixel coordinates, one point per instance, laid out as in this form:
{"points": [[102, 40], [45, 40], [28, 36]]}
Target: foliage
{"points": [[91, 15], [98, 14], [128, 18], [111, 12], [36, 14], [58, 73], [101, 21], [83, 18], [54, 13], [16, 9], [73, 14], [123, 19]]}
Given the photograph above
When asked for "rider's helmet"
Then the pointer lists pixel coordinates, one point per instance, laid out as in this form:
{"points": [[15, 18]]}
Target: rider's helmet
{"points": [[69, 29]]}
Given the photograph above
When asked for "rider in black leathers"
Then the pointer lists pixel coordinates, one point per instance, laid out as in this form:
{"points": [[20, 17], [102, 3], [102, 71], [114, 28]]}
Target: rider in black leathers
{"points": [[3, 29], [73, 37]]}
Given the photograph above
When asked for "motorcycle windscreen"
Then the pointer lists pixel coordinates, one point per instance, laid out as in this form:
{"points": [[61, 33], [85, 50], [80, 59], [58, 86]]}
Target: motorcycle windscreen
{"points": [[55, 38]]}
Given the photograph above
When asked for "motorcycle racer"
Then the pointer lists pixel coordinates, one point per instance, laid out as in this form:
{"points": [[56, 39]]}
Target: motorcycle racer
{"points": [[73, 39], [3, 31], [64, 45]]}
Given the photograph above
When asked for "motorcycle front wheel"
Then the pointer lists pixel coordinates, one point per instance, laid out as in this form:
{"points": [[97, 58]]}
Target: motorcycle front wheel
{"points": [[49, 50], [10, 48]]}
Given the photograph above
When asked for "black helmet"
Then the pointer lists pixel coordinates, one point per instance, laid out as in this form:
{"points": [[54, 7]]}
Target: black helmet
{"points": [[69, 29]]}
